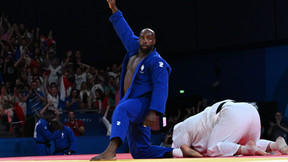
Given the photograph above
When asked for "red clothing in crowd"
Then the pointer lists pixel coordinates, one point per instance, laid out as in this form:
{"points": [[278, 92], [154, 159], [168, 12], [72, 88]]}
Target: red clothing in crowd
{"points": [[102, 105], [75, 127]]}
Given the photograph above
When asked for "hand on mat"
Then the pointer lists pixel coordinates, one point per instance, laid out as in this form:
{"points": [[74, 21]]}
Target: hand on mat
{"points": [[149, 119], [189, 152]]}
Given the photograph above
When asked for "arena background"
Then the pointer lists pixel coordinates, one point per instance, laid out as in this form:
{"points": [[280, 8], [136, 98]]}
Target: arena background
{"points": [[217, 49]]}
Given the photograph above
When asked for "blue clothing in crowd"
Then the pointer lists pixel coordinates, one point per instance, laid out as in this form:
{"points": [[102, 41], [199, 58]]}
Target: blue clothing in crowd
{"points": [[34, 103], [148, 91], [66, 143]]}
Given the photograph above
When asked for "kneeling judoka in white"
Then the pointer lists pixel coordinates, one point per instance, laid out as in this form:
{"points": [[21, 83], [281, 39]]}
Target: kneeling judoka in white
{"points": [[234, 130]]}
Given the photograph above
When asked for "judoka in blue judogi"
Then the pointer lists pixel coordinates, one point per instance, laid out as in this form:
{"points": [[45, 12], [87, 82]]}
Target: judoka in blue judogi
{"points": [[43, 134], [66, 144], [147, 93]]}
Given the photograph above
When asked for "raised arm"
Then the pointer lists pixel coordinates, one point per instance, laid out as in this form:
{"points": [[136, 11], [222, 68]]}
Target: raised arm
{"points": [[129, 40], [66, 61], [112, 5], [45, 84]]}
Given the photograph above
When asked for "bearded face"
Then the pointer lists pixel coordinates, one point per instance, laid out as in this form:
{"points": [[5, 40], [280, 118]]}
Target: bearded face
{"points": [[146, 40]]}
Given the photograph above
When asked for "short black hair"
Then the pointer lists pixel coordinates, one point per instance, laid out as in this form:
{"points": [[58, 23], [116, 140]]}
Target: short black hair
{"points": [[49, 114]]}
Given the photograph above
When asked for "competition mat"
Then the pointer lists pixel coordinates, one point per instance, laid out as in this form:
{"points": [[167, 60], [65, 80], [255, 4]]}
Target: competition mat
{"points": [[126, 157]]}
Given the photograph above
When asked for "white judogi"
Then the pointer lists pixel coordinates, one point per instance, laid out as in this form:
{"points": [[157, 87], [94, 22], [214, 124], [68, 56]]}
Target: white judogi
{"points": [[218, 134]]}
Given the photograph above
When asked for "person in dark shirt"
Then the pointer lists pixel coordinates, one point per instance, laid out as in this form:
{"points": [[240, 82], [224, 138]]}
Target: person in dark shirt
{"points": [[278, 127]]}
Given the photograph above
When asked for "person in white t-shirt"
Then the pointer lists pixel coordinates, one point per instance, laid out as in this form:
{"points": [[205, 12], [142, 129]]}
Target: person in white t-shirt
{"points": [[81, 76], [55, 69], [52, 94]]}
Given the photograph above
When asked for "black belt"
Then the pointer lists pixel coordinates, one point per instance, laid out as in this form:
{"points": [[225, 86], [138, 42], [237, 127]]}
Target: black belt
{"points": [[220, 107], [45, 143], [60, 150]]}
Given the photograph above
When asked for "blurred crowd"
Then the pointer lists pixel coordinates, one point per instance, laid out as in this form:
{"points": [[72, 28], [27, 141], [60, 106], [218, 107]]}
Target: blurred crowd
{"points": [[32, 75]]}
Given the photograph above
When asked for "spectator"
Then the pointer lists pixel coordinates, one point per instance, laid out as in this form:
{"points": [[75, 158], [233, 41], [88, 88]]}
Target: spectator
{"points": [[81, 76], [50, 106], [65, 87], [114, 70], [9, 70], [73, 101], [40, 86], [19, 112], [4, 125], [35, 101], [6, 108], [102, 101], [52, 94], [54, 69], [110, 90], [278, 127], [4, 32], [97, 82], [85, 97], [76, 125], [117, 92], [23, 31], [76, 59], [21, 102], [91, 73]]}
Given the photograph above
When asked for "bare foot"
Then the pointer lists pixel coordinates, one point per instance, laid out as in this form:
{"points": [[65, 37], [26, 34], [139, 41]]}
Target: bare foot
{"points": [[105, 156], [282, 145], [189, 152]]}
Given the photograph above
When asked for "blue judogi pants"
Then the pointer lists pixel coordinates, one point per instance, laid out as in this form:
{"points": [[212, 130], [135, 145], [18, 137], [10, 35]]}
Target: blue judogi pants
{"points": [[42, 149], [128, 119]]}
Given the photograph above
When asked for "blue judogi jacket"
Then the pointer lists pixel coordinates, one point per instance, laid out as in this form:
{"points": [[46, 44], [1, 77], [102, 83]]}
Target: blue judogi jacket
{"points": [[67, 140], [152, 73], [42, 132]]}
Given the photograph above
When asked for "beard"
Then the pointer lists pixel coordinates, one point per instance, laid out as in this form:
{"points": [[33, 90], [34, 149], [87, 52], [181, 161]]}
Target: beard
{"points": [[146, 49]]}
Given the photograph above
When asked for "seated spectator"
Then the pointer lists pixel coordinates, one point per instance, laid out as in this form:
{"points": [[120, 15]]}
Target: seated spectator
{"points": [[73, 101], [97, 82], [110, 90], [85, 97], [102, 101], [277, 128], [76, 125]]}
